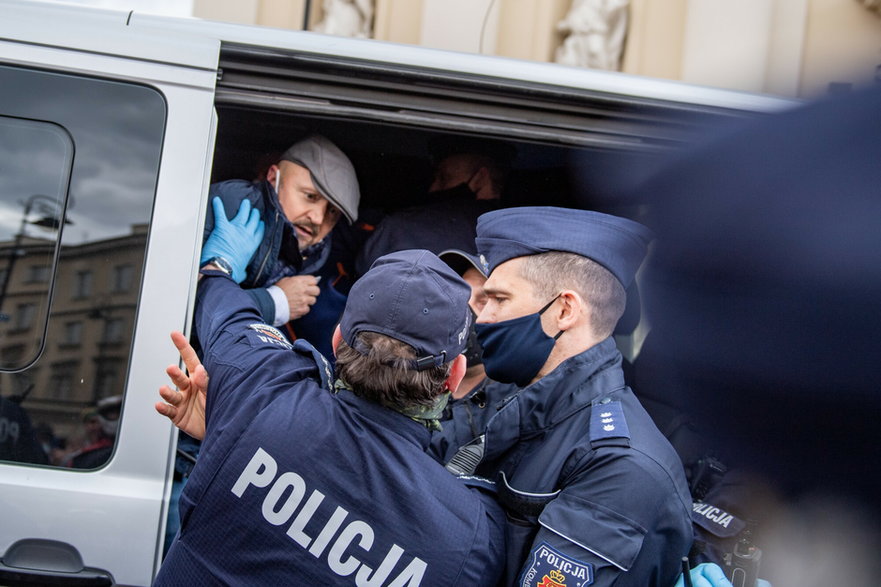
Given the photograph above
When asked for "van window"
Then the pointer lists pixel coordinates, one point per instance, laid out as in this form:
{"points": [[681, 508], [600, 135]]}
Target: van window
{"points": [[80, 164], [37, 199]]}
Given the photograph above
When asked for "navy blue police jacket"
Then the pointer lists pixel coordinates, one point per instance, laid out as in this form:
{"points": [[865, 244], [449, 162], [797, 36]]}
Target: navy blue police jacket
{"points": [[296, 485], [465, 418], [594, 494]]}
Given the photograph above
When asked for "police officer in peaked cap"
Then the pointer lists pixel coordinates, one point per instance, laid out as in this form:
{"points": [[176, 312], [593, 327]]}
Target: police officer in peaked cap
{"points": [[306, 481], [594, 494]]}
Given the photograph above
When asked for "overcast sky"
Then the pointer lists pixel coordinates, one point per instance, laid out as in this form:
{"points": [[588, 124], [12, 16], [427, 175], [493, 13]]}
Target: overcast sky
{"points": [[164, 7]]}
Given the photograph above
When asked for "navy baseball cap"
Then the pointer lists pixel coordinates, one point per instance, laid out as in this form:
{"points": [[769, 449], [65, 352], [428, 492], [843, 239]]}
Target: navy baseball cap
{"points": [[618, 244], [414, 297], [460, 261]]}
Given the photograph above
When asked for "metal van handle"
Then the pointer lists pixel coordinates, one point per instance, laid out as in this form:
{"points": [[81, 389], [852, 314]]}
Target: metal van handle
{"points": [[37, 561]]}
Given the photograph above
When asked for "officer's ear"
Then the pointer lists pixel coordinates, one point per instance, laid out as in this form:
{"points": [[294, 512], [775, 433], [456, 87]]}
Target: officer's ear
{"points": [[335, 339], [569, 309], [457, 373]]}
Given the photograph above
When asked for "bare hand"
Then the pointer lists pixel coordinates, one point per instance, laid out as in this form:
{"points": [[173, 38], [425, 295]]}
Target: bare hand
{"points": [[186, 407], [301, 292]]}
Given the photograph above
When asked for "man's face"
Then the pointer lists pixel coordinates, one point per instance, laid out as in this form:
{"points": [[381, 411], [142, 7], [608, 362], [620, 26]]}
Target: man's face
{"points": [[508, 295], [475, 279], [312, 215], [453, 171]]}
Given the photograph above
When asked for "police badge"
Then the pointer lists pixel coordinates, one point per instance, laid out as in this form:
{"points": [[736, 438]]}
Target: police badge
{"points": [[550, 568]]}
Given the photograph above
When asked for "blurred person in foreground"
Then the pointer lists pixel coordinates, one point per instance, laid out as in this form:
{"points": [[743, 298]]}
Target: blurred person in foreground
{"points": [[305, 482], [765, 299]]}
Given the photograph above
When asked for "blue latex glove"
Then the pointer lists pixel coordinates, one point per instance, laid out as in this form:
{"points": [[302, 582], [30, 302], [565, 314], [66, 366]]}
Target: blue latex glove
{"points": [[706, 575], [235, 240]]}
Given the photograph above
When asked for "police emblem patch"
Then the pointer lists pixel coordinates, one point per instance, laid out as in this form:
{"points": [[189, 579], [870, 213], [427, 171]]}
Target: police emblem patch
{"points": [[269, 335], [484, 264], [550, 568]]}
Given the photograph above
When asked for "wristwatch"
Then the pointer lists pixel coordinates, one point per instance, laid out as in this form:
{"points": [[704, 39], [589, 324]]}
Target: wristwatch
{"points": [[221, 264]]}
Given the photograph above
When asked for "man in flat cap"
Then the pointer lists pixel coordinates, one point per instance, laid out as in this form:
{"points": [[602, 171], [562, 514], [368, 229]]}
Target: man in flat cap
{"points": [[300, 484], [301, 199], [594, 494]]}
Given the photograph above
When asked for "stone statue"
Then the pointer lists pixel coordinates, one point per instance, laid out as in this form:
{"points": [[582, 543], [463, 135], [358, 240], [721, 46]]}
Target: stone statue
{"points": [[595, 32], [347, 18], [873, 5]]}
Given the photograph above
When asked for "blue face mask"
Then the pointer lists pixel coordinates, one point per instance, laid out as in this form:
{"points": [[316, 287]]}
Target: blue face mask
{"points": [[514, 350]]}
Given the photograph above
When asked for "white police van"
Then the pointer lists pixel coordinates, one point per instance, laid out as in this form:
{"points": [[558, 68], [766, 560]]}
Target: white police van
{"points": [[112, 126]]}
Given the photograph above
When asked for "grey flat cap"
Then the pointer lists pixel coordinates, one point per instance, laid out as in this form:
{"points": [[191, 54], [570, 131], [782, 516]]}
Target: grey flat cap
{"points": [[332, 172]]}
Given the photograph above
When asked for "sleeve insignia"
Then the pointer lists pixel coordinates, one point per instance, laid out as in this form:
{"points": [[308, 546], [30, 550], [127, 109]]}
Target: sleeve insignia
{"points": [[268, 335], [547, 567]]}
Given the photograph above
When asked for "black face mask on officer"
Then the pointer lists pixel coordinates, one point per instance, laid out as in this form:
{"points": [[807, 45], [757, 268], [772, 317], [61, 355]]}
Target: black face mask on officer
{"points": [[473, 352], [515, 350]]}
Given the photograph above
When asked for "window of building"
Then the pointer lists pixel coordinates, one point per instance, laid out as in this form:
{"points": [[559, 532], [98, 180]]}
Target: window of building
{"points": [[122, 278], [24, 316], [107, 382], [62, 378], [113, 330], [38, 274], [82, 284], [73, 333]]}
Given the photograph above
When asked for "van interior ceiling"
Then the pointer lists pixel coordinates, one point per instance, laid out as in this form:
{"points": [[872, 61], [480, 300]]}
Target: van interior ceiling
{"points": [[573, 148]]}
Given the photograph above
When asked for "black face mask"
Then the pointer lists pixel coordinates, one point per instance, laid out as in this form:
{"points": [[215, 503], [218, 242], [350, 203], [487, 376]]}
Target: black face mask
{"points": [[515, 350], [459, 192], [473, 351]]}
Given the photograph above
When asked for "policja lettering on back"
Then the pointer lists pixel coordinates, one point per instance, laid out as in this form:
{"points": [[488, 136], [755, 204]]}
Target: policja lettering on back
{"points": [[285, 496]]}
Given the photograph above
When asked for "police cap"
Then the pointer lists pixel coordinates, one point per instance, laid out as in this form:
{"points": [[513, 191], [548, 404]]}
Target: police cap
{"points": [[414, 297], [618, 244]]}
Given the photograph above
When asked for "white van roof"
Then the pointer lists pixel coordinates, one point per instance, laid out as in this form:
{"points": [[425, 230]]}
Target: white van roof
{"points": [[194, 42]]}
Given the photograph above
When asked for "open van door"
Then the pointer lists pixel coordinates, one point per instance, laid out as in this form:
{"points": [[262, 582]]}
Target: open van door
{"points": [[105, 134]]}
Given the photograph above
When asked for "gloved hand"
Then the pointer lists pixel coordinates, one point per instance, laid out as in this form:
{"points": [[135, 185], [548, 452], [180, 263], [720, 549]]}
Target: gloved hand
{"points": [[235, 240], [705, 575]]}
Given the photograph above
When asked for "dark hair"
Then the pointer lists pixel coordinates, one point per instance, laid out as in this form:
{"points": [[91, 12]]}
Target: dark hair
{"points": [[381, 375], [550, 273]]}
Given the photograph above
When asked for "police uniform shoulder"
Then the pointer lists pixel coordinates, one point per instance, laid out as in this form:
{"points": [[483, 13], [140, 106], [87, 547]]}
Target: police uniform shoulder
{"points": [[608, 426], [325, 371]]}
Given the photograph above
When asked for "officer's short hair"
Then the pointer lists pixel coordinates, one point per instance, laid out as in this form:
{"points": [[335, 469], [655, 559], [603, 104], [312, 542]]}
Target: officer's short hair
{"points": [[550, 273], [376, 377]]}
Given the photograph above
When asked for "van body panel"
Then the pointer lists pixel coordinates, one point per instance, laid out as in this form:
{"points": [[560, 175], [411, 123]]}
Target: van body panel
{"points": [[115, 516], [188, 41], [424, 58], [102, 31]]}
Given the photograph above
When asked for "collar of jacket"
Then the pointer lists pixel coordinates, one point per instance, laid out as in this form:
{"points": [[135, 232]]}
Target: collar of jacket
{"points": [[389, 421]]}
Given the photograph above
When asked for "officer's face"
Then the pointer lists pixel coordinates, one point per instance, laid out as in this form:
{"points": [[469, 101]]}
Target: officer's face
{"points": [[476, 280], [508, 295], [312, 215]]}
